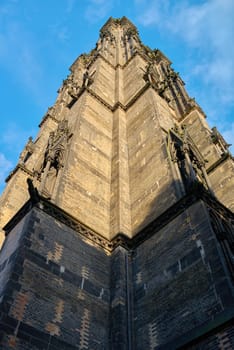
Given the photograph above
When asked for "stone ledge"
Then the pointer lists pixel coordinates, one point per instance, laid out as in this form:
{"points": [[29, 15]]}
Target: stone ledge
{"points": [[21, 167], [120, 239]]}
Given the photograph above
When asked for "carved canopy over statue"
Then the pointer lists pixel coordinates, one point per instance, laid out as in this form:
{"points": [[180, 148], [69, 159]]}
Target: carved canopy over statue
{"points": [[54, 157], [186, 156], [153, 77], [71, 88], [168, 83]]}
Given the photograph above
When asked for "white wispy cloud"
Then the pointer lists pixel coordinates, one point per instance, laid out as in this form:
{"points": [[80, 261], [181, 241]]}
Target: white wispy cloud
{"points": [[228, 135], [5, 167], [206, 28], [18, 55], [12, 141], [152, 12], [98, 9], [209, 28], [24, 50], [14, 137], [206, 25]]}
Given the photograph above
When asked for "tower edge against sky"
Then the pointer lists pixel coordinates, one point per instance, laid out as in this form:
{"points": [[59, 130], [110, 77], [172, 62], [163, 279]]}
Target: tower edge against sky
{"points": [[127, 224]]}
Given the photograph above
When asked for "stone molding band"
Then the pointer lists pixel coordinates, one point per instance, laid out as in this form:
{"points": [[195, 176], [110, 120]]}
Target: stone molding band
{"points": [[120, 239]]}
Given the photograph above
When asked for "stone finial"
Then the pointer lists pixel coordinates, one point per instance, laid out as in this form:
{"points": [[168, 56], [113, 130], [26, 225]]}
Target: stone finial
{"points": [[116, 22]]}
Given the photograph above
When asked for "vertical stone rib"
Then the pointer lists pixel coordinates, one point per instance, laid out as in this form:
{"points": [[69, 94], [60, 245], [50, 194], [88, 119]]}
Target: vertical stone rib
{"points": [[123, 166], [120, 220]]}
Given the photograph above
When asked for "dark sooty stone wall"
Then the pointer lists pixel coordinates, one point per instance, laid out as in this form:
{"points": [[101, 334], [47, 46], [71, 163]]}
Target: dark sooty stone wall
{"points": [[58, 293], [180, 281]]}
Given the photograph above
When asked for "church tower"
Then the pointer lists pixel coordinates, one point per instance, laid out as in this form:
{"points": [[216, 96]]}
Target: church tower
{"points": [[119, 217]]}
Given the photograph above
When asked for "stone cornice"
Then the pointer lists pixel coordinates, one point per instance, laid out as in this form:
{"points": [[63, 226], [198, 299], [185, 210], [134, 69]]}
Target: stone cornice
{"points": [[98, 54], [120, 239], [190, 110], [19, 167], [100, 99], [118, 104], [223, 158], [46, 117], [118, 65]]}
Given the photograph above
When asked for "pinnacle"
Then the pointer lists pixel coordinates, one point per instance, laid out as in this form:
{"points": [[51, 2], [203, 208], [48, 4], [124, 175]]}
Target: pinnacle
{"points": [[115, 22]]}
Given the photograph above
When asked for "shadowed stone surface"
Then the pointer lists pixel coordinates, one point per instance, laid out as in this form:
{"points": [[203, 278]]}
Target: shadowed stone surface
{"points": [[125, 238]]}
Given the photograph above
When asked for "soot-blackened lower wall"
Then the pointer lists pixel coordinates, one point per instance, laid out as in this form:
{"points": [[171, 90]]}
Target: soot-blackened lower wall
{"points": [[58, 293], [180, 281]]}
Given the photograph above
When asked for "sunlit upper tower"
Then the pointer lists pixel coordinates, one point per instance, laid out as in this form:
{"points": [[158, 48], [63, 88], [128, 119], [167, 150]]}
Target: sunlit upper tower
{"points": [[118, 215]]}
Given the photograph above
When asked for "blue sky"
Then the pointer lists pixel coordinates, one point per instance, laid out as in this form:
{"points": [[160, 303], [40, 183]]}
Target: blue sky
{"points": [[40, 39]]}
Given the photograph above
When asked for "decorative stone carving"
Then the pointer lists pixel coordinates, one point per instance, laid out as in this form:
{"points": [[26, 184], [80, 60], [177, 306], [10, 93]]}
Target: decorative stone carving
{"points": [[151, 74], [27, 151], [72, 87], [161, 86], [190, 162], [69, 89], [131, 33], [51, 111], [219, 141], [106, 34], [87, 79], [54, 157], [181, 102]]}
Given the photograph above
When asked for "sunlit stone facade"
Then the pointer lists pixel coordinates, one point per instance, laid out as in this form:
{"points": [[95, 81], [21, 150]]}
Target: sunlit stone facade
{"points": [[119, 215]]}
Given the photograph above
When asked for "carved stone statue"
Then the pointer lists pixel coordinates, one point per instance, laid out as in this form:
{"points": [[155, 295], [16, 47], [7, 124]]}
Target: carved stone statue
{"points": [[151, 74], [190, 162], [87, 79], [54, 157], [69, 90]]}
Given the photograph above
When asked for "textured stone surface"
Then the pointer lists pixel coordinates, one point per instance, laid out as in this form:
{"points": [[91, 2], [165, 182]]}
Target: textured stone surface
{"points": [[123, 245], [115, 173], [60, 287], [60, 290], [177, 279]]}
